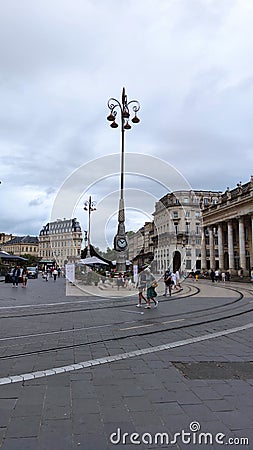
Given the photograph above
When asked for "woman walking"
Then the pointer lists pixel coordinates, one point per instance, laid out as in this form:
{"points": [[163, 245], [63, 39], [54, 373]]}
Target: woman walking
{"points": [[151, 292], [141, 286], [24, 277]]}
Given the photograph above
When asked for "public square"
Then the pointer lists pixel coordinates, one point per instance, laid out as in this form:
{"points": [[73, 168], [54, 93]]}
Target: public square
{"points": [[94, 372]]}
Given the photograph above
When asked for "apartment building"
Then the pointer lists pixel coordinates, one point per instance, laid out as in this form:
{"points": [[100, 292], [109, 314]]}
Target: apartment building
{"points": [[61, 241]]}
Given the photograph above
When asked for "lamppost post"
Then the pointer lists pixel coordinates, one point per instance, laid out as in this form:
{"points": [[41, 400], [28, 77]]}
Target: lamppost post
{"points": [[89, 206], [120, 241]]}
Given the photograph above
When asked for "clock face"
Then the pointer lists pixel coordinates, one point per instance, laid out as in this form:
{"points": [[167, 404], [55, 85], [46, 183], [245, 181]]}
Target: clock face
{"points": [[121, 243]]}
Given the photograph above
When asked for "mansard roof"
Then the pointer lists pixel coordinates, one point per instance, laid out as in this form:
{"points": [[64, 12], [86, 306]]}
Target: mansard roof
{"points": [[23, 240]]}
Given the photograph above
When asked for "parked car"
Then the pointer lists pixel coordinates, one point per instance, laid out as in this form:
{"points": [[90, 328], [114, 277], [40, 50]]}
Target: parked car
{"points": [[9, 277], [32, 272]]}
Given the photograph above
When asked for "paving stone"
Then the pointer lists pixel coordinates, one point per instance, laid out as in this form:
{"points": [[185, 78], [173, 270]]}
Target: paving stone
{"points": [[138, 404], [114, 413], [90, 405], [89, 441], [20, 443], [235, 420], [57, 412], [7, 405], [23, 427], [55, 441]]}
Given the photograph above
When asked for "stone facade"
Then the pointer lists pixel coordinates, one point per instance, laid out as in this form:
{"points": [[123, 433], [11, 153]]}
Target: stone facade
{"points": [[178, 222], [141, 245], [61, 241], [5, 238], [22, 245], [227, 232]]}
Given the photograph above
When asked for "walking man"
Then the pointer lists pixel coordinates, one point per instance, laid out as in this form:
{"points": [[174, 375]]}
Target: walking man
{"points": [[15, 275]]}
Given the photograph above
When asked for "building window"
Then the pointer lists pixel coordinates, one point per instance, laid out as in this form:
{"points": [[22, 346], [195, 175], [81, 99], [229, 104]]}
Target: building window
{"points": [[205, 200], [186, 200], [197, 228], [188, 264], [175, 214], [176, 227], [188, 252], [187, 227], [187, 214]]}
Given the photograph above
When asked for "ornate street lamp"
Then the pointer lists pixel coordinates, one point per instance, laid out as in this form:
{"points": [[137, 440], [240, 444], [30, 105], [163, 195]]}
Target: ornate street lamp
{"points": [[89, 206], [120, 241]]}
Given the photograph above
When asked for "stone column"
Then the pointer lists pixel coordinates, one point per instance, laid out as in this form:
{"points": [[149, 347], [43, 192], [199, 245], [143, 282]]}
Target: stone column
{"points": [[231, 260], [203, 249], [211, 246], [220, 247], [242, 243], [251, 240]]}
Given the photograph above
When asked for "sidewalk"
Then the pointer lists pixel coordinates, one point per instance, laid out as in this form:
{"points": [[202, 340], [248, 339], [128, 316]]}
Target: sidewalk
{"points": [[132, 385]]}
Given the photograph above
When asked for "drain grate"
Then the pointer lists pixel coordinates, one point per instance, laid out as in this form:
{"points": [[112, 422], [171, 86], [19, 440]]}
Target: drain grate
{"points": [[216, 370]]}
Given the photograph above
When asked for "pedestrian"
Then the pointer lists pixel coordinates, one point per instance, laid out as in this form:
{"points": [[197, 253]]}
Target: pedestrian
{"points": [[24, 277], [59, 272], [217, 275], [178, 278], [141, 286], [120, 281], [45, 275], [168, 282], [151, 292], [174, 279], [212, 275], [223, 277], [55, 273], [166, 277], [15, 276]]}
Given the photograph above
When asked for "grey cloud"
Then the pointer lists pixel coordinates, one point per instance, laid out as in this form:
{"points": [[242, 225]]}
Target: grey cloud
{"points": [[60, 63]]}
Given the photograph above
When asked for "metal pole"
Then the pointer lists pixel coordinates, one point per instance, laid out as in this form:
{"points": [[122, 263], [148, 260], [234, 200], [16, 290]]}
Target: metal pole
{"points": [[89, 211], [120, 241]]}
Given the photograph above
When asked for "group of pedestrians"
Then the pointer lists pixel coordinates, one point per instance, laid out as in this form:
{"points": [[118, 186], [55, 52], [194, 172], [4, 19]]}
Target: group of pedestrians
{"points": [[147, 281], [171, 280], [217, 276], [52, 272], [17, 273]]}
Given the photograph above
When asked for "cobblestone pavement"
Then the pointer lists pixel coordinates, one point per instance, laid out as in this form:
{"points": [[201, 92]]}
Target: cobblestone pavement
{"points": [[122, 375]]}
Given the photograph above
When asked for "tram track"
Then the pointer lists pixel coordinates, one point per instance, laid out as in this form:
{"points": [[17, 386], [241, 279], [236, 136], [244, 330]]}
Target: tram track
{"points": [[156, 324], [112, 305]]}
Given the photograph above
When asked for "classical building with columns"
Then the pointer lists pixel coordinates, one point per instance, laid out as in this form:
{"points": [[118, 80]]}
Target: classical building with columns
{"points": [[227, 231]]}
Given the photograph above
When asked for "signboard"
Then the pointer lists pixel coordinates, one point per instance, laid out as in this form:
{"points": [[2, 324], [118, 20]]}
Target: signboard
{"points": [[135, 273], [70, 272]]}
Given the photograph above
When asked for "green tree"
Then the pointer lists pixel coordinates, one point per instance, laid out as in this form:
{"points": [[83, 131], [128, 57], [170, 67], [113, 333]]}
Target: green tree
{"points": [[31, 260]]}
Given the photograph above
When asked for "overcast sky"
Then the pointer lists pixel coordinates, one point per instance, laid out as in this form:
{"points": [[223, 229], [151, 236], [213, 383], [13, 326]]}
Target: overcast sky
{"points": [[188, 63]]}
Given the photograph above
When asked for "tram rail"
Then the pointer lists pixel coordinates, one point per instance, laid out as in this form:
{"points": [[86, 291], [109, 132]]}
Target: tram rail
{"points": [[235, 309]]}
